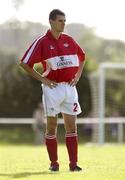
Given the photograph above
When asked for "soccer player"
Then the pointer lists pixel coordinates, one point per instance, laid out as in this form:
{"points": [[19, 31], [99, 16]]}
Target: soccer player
{"points": [[63, 62]]}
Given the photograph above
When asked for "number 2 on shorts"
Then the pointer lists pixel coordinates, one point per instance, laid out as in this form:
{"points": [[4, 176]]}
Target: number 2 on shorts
{"points": [[75, 107]]}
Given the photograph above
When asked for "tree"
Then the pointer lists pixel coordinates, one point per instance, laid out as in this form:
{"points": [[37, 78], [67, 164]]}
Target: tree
{"points": [[17, 4]]}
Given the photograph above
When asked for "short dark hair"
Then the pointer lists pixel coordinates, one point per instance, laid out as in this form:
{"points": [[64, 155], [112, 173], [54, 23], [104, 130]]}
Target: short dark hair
{"points": [[53, 14]]}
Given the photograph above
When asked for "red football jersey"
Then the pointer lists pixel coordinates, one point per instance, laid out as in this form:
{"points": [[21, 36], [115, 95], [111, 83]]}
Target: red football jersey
{"points": [[59, 57]]}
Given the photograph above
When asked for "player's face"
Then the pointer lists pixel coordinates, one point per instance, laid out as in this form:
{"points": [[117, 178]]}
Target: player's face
{"points": [[58, 24]]}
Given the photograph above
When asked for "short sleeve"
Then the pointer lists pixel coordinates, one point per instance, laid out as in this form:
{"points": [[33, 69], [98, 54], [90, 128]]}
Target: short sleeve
{"points": [[80, 51], [81, 54], [34, 54]]}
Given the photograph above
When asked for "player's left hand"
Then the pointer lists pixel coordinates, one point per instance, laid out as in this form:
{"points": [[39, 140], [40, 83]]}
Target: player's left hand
{"points": [[74, 81]]}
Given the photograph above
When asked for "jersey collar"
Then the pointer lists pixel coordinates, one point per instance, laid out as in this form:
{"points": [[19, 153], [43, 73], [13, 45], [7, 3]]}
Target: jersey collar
{"points": [[49, 34]]}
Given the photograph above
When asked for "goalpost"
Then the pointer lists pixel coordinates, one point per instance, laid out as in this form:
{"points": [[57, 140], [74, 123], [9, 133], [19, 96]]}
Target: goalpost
{"points": [[111, 97]]}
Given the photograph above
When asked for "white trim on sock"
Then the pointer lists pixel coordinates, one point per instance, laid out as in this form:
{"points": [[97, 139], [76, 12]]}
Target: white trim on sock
{"points": [[50, 136], [71, 135]]}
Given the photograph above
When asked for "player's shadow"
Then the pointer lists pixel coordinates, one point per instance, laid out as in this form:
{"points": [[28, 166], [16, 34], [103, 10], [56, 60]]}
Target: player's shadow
{"points": [[25, 174]]}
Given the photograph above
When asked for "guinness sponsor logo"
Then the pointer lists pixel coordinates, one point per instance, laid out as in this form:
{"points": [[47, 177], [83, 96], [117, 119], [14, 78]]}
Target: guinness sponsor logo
{"points": [[64, 62]]}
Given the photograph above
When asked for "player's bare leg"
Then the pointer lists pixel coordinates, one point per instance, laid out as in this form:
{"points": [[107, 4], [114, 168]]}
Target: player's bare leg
{"points": [[51, 142], [51, 126], [71, 141]]}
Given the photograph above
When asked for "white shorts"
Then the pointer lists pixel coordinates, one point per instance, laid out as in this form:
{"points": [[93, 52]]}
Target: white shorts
{"points": [[63, 98]]}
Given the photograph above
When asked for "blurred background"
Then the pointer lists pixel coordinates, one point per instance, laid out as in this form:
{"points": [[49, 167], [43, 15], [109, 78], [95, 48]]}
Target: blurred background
{"points": [[98, 26]]}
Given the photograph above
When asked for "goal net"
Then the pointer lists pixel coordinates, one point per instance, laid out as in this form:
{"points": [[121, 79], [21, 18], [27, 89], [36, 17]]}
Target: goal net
{"points": [[108, 99]]}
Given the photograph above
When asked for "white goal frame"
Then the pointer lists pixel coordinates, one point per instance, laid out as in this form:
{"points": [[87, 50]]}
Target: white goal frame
{"points": [[102, 78]]}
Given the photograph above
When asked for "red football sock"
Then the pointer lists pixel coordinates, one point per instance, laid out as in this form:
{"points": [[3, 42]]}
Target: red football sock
{"points": [[51, 144], [72, 147]]}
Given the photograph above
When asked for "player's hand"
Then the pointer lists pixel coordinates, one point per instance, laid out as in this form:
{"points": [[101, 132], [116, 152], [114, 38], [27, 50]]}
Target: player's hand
{"points": [[74, 81], [49, 83]]}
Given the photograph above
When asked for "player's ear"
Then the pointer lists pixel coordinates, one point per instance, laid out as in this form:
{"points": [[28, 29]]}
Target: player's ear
{"points": [[50, 21]]}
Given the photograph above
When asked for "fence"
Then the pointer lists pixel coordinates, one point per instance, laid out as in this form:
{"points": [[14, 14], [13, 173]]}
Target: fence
{"points": [[94, 121]]}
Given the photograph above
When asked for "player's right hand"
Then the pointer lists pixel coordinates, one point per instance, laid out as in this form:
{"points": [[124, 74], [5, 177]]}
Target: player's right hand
{"points": [[49, 83]]}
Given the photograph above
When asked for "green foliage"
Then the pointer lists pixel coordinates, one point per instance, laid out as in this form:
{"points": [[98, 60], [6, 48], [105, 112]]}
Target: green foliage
{"points": [[91, 65], [17, 36], [19, 93], [16, 134], [24, 134], [84, 92]]}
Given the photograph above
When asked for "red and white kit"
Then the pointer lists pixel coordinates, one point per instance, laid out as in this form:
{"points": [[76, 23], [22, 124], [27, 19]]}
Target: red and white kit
{"points": [[60, 59]]}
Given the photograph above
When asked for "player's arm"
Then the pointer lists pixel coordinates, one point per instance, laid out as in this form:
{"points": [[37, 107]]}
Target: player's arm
{"points": [[78, 75], [35, 74], [81, 57]]}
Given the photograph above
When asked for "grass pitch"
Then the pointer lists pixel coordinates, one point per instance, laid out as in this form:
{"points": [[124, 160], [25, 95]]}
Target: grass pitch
{"points": [[31, 163]]}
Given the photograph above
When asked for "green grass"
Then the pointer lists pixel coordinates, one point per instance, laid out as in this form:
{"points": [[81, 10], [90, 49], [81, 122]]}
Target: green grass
{"points": [[29, 162]]}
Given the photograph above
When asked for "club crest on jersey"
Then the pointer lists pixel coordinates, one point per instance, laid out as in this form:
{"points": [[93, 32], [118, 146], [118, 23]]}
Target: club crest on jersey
{"points": [[66, 44], [51, 47]]}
